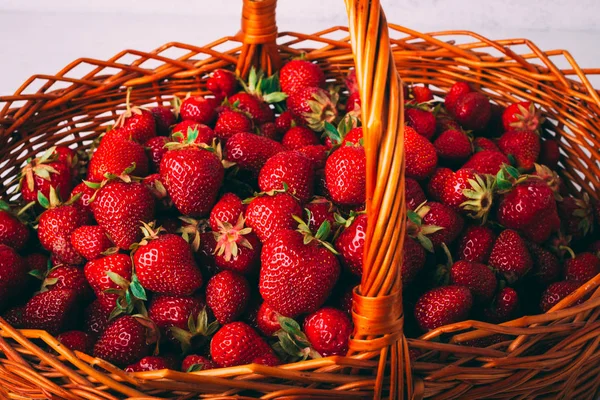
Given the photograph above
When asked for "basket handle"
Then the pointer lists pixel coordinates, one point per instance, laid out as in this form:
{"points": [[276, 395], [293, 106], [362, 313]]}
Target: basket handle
{"points": [[377, 310]]}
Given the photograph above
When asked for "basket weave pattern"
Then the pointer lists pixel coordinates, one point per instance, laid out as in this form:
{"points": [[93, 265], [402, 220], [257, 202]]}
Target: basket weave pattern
{"points": [[549, 355]]}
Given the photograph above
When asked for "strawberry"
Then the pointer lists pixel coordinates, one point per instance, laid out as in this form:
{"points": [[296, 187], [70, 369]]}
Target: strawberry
{"points": [[119, 207], [182, 130], [453, 146], [156, 150], [556, 292], [524, 146], [135, 124], [114, 156], [442, 306], [269, 130], [421, 157], [164, 264], [310, 267], [227, 209], [13, 232], [36, 261], [52, 311], [286, 121], [97, 314], [529, 207], [422, 121], [487, 162], [350, 81], [546, 266], [68, 157], [317, 154], [420, 94], [299, 136], [521, 116], [156, 186], [67, 277], [195, 362], [470, 193], [582, 267], [13, 275], [231, 122], [438, 214], [314, 105], [90, 241], [345, 175], [504, 306], [77, 341], [457, 91], [576, 215], [268, 214], [413, 193], [445, 122], [483, 143], [413, 260], [237, 247], [250, 152], [351, 244], [267, 320], [549, 153], [479, 278], [254, 106], [163, 119], [168, 311], [150, 363], [222, 83], [14, 317], [353, 103], [476, 244], [199, 109], [510, 256], [437, 183], [473, 111], [227, 294], [288, 169], [328, 331], [237, 344], [87, 195], [123, 342], [299, 74], [43, 173], [318, 211], [98, 271]]}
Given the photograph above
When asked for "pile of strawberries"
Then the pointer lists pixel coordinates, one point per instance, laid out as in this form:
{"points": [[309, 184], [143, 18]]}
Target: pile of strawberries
{"points": [[230, 229]]}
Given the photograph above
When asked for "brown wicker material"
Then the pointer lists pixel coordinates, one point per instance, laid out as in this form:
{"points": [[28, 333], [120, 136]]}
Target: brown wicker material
{"points": [[553, 355]]}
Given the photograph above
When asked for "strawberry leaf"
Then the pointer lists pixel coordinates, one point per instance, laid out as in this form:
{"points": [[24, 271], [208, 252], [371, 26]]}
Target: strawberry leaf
{"points": [[137, 289], [195, 367], [43, 200]]}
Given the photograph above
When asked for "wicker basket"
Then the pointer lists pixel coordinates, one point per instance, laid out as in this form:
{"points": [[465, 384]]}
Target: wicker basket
{"points": [[546, 356]]}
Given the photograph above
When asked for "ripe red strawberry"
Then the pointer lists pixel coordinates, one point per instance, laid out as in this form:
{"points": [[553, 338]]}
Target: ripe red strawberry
{"points": [[351, 244], [473, 111], [237, 248], [97, 314], [237, 344], [420, 94], [70, 278], [77, 341], [445, 122], [195, 362], [286, 121], [227, 209], [439, 214], [353, 102], [267, 320], [114, 156], [524, 146], [437, 183], [302, 282], [135, 124], [318, 211], [254, 106], [421, 157], [510, 256], [299, 136], [582, 267], [556, 292], [96, 273], [288, 168], [413, 193], [576, 215], [192, 177], [164, 119], [422, 121], [522, 116], [53, 311], [87, 193], [442, 306], [13, 275], [13, 232], [36, 261], [345, 175], [530, 207], [165, 264], [476, 244], [231, 122], [351, 82], [546, 266], [549, 153], [268, 214], [453, 146], [470, 193], [182, 130], [457, 91], [43, 173], [222, 83], [504, 307], [317, 154], [150, 363], [156, 150], [487, 162], [199, 109], [168, 311], [227, 294], [90, 241], [119, 207], [314, 105], [483, 143], [155, 184], [298, 74], [250, 152], [328, 330], [413, 260], [14, 317], [480, 279], [68, 157], [123, 342]]}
